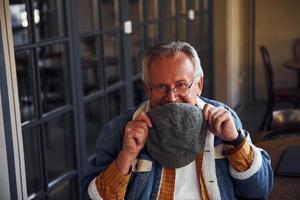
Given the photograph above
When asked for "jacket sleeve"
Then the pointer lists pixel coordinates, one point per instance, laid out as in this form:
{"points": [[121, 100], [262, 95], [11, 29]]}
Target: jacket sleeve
{"points": [[257, 180], [108, 145], [109, 184], [251, 170], [241, 156]]}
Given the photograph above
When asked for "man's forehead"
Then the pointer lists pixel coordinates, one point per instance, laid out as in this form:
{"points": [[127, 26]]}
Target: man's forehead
{"points": [[172, 79], [168, 57]]}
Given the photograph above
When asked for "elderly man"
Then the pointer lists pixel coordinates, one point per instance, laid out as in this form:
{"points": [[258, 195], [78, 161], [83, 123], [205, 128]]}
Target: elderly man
{"points": [[230, 166]]}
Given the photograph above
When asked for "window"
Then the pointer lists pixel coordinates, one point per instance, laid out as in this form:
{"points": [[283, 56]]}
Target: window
{"points": [[77, 69], [42, 53]]}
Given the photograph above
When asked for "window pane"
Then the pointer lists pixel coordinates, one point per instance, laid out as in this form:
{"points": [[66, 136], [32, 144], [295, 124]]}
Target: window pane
{"points": [[152, 9], [152, 35], [136, 11], [89, 53], [49, 19], [88, 15], [110, 13], [139, 94], [116, 102], [60, 151], [205, 5], [25, 85], [200, 35], [200, 5], [19, 21], [195, 4], [94, 119], [111, 57], [181, 29], [204, 55], [205, 58], [170, 8], [196, 33], [66, 191], [137, 49], [54, 75], [204, 20], [182, 7], [33, 163], [170, 30]]}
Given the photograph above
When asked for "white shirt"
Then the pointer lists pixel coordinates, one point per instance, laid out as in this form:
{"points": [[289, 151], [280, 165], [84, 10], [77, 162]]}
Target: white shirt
{"points": [[187, 183]]}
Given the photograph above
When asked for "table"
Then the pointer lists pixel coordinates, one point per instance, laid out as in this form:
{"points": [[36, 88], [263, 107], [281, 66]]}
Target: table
{"points": [[284, 187], [294, 65]]}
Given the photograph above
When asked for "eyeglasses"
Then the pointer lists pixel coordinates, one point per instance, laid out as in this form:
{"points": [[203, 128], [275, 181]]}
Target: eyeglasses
{"points": [[161, 90]]}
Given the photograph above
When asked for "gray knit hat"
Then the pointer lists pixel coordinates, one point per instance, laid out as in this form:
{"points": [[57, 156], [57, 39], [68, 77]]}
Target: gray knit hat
{"points": [[178, 134]]}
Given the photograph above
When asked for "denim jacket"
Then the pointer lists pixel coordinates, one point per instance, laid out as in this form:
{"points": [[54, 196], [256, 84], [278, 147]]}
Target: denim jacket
{"points": [[145, 185]]}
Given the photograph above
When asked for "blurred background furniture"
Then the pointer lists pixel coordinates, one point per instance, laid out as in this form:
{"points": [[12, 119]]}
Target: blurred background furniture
{"points": [[287, 118], [295, 63], [291, 95], [296, 50], [285, 123]]}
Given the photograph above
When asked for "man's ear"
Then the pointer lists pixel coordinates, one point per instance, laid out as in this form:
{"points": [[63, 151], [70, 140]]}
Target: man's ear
{"points": [[200, 86]]}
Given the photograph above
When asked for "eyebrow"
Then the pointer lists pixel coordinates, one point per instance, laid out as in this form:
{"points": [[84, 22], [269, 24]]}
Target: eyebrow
{"points": [[178, 81]]}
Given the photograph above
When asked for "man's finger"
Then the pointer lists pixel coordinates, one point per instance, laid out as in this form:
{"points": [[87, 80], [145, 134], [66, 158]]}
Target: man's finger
{"points": [[143, 117], [206, 108], [217, 119], [210, 113], [225, 116]]}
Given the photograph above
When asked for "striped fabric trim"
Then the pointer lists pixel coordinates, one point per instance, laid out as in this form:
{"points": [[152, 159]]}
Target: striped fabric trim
{"points": [[111, 184], [241, 159], [167, 184], [203, 190], [92, 190], [255, 166]]}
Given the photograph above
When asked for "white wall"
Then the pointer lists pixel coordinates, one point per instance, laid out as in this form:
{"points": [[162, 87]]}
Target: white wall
{"points": [[277, 26], [228, 52], [233, 51]]}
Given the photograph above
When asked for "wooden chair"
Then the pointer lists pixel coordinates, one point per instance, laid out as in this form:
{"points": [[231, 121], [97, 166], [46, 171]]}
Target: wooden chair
{"points": [[279, 133], [275, 95], [284, 123], [286, 119], [296, 49]]}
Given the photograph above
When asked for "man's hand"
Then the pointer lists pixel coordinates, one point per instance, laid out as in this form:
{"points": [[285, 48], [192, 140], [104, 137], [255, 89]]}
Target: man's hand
{"points": [[135, 137], [220, 122]]}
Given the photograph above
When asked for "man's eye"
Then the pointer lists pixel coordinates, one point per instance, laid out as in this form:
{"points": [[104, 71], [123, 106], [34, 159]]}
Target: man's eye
{"points": [[162, 87], [181, 85]]}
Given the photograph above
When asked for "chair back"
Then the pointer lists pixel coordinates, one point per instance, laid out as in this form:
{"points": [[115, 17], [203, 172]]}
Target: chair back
{"points": [[280, 133], [286, 119], [296, 49], [284, 123], [268, 70]]}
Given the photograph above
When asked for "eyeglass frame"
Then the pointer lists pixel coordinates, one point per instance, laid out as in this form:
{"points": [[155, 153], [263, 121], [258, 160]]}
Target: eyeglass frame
{"points": [[168, 89]]}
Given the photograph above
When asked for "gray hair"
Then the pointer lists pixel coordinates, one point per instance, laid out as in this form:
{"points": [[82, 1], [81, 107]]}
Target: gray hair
{"points": [[171, 49]]}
